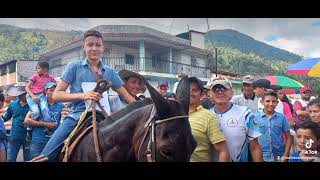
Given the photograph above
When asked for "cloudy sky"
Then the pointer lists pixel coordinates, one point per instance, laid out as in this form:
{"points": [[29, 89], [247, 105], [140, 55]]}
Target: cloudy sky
{"points": [[297, 35]]}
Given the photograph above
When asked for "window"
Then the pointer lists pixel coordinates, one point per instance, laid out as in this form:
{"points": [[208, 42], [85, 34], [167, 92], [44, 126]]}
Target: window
{"points": [[154, 61], [129, 59], [194, 61]]}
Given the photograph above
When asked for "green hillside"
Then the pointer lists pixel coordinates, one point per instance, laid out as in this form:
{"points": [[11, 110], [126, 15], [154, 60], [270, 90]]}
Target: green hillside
{"points": [[22, 43]]}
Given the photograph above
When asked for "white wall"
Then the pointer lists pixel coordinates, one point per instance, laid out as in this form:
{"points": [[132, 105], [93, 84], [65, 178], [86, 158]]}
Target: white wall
{"points": [[197, 40]]}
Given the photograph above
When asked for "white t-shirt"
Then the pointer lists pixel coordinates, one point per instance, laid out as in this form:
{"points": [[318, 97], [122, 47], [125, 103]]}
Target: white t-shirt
{"points": [[239, 127]]}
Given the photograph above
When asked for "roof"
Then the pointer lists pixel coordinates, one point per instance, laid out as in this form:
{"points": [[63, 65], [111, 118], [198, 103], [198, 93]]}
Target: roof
{"points": [[128, 33]]}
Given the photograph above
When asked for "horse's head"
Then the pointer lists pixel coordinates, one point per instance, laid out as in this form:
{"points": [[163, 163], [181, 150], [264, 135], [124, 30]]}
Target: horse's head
{"points": [[174, 140]]}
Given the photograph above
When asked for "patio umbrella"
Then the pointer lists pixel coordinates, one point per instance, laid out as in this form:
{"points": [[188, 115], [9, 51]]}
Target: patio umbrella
{"points": [[284, 82], [310, 67]]}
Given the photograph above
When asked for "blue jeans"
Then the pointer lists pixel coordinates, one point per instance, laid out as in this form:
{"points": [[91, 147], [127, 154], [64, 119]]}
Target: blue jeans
{"points": [[14, 147], [36, 148], [34, 107], [55, 143]]}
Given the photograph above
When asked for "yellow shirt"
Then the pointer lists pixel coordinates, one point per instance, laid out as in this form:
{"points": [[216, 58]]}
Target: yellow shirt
{"points": [[206, 131]]}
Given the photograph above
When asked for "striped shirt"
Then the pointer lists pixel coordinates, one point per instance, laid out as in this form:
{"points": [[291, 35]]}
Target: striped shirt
{"points": [[206, 131]]}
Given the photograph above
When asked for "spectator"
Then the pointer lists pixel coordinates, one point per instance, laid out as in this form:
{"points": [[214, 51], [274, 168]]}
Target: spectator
{"points": [[163, 87], [314, 110], [300, 105], [273, 125], [39, 137], [308, 137], [133, 82], [206, 100], [237, 123], [248, 97], [3, 142], [205, 128], [180, 76], [7, 100], [17, 110]]}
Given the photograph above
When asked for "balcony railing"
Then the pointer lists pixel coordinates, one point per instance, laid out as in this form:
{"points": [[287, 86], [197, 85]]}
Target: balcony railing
{"points": [[150, 65], [159, 66]]}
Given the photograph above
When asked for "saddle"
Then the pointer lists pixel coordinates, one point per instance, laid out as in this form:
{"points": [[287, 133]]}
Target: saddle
{"points": [[80, 131]]}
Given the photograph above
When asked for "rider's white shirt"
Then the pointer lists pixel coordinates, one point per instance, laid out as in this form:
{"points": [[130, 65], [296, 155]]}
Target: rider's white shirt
{"points": [[104, 101]]}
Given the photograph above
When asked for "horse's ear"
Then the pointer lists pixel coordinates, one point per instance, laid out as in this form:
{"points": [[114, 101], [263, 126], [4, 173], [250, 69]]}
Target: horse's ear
{"points": [[183, 93], [160, 103]]}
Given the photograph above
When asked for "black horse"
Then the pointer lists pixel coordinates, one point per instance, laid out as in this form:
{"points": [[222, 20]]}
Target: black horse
{"points": [[125, 135]]}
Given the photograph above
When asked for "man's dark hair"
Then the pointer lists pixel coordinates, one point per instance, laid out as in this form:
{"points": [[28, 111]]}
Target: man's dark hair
{"points": [[269, 93], [275, 87], [313, 126], [198, 82], [1, 97], [44, 64], [92, 33], [314, 102]]}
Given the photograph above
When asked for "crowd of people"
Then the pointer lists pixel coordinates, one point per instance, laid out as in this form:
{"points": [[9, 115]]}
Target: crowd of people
{"points": [[259, 125]]}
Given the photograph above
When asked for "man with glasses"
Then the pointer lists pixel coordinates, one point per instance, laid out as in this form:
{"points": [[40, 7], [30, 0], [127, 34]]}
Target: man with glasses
{"points": [[300, 105], [248, 97], [237, 122]]}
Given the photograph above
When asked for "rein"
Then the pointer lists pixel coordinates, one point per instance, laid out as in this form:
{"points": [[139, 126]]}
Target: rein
{"points": [[102, 86]]}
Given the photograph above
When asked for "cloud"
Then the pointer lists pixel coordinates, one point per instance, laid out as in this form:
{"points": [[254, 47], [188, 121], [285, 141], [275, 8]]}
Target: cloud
{"points": [[297, 35]]}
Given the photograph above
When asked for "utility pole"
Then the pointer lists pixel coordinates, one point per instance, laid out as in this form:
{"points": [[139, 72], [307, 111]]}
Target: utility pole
{"points": [[216, 54], [215, 49]]}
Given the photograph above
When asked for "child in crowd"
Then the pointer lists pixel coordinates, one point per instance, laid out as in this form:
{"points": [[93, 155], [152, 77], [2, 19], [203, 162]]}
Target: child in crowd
{"points": [[36, 98], [308, 137]]}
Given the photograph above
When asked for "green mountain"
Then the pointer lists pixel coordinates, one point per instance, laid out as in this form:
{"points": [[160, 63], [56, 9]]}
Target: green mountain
{"points": [[235, 40], [24, 43]]}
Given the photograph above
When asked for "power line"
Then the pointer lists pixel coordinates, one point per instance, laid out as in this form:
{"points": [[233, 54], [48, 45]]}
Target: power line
{"points": [[171, 25]]}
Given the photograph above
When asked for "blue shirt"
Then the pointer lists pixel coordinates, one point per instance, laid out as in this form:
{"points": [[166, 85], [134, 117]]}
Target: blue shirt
{"points": [[117, 103], [78, 72], [38, 133], [17, 113], [271, 141], [2, 130]]}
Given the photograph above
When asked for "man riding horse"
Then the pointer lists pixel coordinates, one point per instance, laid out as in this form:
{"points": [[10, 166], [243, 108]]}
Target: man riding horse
{"points": [[75, 75]]}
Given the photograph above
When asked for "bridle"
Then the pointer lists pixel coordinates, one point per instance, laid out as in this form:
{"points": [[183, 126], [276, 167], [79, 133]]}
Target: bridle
{"points": [[151, 124]]}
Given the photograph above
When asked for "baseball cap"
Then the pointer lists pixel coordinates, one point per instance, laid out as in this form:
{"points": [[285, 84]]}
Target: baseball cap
{"points": [[16, 90], [305, 88], [275, 87], [198, 81], [163, 83], [49, 85], [221, 81], [248, 79], [262, 83]]}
